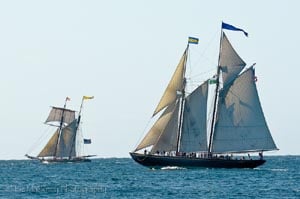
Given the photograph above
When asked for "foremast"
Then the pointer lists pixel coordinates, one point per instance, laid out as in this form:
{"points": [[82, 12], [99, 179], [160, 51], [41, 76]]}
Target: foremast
{"points": [[60, 126], [76, 130], [182, 101]]}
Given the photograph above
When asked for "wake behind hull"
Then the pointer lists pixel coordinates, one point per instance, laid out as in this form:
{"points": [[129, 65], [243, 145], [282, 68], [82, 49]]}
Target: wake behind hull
{"points": [[155, 161]]}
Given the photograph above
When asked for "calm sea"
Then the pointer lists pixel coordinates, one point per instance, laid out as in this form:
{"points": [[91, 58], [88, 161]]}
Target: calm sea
{"points": [[123, 178]]}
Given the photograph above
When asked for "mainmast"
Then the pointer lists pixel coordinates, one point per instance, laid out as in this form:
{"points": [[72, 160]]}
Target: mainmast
{"points": [[182, 101], [78, 123], [215, 97], [76, 129], [61, 125]]}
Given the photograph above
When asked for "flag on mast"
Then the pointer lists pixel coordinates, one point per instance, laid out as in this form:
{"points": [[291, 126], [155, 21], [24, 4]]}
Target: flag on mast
{"points": [[88, 97], [231, 27], [193, 40], [87, 141]]}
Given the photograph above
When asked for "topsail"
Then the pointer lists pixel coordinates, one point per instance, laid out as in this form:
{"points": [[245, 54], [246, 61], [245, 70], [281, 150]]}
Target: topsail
{"points": [[60, 114], [230, 62]]}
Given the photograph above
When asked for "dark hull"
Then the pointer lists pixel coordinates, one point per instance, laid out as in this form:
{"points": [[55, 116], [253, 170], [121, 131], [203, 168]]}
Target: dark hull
{"points": [[61, 160], [155, 161], [74, 160]]}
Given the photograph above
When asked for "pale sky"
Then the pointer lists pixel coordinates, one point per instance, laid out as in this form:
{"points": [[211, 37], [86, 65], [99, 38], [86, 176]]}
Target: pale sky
{"points": [[124, 53]]}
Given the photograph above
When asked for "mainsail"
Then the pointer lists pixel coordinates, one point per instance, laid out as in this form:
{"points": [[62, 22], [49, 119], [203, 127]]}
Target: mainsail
{"points": [[63, 145], [241, 125], [66, 145]]}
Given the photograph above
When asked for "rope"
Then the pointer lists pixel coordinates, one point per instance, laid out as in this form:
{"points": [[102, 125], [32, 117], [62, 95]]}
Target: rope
{"points": [[42, 137]]}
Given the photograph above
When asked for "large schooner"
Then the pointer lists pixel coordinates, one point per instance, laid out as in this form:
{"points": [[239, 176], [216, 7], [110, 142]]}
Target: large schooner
{"points": [[63, 146], [183, 136]]}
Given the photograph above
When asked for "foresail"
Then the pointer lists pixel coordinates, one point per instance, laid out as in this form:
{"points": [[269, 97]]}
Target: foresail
{"points": [[167, 141], [66, 145], [49, 149], [157, 129], [241, 124], [175, 85], [194, 135], [56, 114], [230, 62]]}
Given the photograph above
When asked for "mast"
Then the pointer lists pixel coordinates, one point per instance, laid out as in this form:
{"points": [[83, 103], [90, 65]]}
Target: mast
{"points": [[215, 97], [182, 98], [78, 123], [76, 129], [61, 125]]}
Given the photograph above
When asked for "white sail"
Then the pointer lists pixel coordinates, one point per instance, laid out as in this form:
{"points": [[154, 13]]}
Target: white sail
{"points": [[194, 135], [157, 129], [55, 115], [230, 62], [168, 138], [240, 124], [176, 84]]}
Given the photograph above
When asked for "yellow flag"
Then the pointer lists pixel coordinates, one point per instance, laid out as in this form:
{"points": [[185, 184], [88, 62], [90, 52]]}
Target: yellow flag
{"points": [[88, 97]]}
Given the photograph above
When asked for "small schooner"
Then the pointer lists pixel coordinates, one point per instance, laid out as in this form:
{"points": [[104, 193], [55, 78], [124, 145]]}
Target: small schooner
{"points": [[63, 146], [183, 136]]}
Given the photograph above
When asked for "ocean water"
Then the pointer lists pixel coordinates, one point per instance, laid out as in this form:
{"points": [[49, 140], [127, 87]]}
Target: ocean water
{"points": [[123, 178]]}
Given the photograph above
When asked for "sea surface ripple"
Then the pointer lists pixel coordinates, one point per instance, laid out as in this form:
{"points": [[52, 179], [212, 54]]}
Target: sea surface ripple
{"points": [[123, 178]]}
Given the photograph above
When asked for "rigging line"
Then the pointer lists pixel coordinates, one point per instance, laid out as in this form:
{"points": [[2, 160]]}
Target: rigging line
{"points": [[38, 141], [203, 73], [79, 147], [210, 43], [143, 133], [202, 54]]}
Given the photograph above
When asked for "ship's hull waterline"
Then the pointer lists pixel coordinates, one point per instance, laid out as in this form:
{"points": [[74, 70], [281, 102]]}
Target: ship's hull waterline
{"points": [[76, 160], [156, 161], [60, 160]]}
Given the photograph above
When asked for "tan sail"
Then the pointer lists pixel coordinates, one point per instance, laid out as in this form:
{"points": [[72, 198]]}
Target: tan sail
{"points": [[49, 149], [167, 140], [175, 85], [157, 129]]}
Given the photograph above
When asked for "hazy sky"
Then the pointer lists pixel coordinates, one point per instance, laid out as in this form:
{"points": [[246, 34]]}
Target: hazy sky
{"points": [[124, 53]]}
